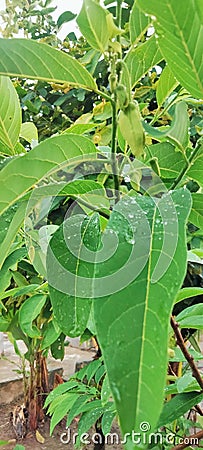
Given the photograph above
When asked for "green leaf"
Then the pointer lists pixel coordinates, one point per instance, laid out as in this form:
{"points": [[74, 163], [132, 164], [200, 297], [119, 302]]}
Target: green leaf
{"points": [[179, 357], [80, 128], [16, 292], [65, 17], [139, 23], [29, 311], [170, 161], [88, 419], [29, 132], [19, 447], [75, 240], [10, 116], [142, 58], [191, 317], [11, 221], [100, 373], [92, 368], [31, 59], [196, 214], [59, 390], [106, 391], [188, 293], [181, 49], [178, 406], [107, 420], [196, 168], [93, 25], [133, 318], [10, 262], [166, 84], [178, 132], [75, 409], [50, 333], [62, 409], [24, 172]]}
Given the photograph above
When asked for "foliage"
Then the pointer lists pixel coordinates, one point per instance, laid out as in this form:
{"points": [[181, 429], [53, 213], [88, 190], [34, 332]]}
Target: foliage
{"points": [[106, 200]]}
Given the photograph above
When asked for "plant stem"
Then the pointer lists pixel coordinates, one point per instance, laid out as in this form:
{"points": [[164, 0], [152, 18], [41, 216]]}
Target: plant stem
{"points": [[186, 167], [190, 441], [118, 17], [180, 341], [114, 162]]}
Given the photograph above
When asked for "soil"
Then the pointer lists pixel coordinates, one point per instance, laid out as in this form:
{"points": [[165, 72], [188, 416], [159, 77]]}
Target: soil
{"points": [[50, 442]]}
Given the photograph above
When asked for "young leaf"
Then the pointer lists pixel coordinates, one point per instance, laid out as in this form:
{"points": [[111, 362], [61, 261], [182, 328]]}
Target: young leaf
{"points": [[134, 315], [71, 254], [31, 59], [29, 310], [22, 173], [10, 116], [142, 58], [166, 84], [181, 49], [93, 25], [139, 23]]}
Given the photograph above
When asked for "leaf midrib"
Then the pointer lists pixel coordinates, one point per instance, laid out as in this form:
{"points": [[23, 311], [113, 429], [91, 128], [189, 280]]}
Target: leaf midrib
{"points": [[145, 315]]}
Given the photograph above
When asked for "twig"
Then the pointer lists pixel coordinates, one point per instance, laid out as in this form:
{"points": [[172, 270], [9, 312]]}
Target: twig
{"points": [[195, 372], [190, 440]]}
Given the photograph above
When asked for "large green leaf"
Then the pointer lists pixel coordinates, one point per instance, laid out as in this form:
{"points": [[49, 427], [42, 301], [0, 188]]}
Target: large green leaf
{"points": [[139, 23], [30, 59], [142, 58], [137, 287], [179, 26], [92, 22], [21, 174], [10, 116], [75, 240]]}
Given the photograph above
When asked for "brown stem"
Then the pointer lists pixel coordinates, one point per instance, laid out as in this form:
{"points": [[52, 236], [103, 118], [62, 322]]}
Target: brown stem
{"points": [[191, 440], [195, 372]]}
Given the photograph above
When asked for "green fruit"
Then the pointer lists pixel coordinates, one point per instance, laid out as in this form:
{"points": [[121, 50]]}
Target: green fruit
{"points": [[131, 128]]}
